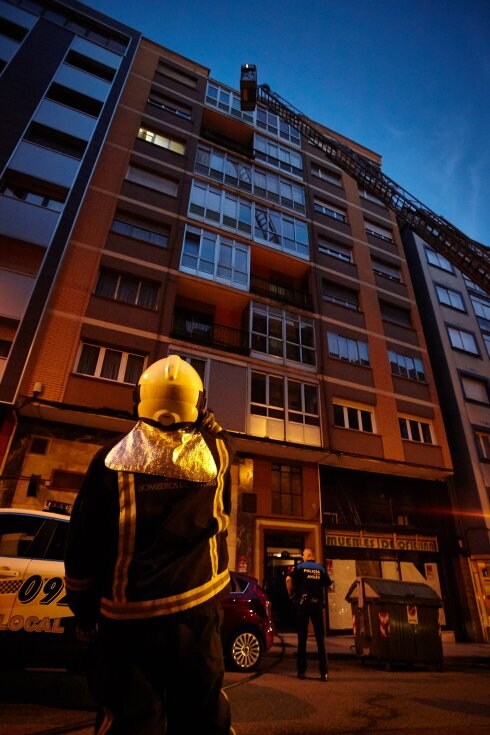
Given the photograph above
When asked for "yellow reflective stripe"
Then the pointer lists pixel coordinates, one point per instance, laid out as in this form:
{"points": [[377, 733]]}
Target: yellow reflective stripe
{"points": [[121, 609], [127, 524], [224, 462], [218, 507], [79, 585]]}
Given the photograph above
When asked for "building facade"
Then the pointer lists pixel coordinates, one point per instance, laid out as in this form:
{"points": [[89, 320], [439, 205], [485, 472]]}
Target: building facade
{"points": [[142, 214], [456, 320]]}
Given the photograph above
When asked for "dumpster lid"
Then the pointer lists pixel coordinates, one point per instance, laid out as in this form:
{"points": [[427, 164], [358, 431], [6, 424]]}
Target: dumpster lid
{"points": [[392, 590]]}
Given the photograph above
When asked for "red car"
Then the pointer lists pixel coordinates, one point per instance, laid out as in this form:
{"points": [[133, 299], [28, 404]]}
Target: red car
{"points": [[247, 630], [37, 627]]}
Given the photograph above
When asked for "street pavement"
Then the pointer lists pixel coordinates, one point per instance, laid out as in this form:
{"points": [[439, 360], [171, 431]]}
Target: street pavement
{"points": [[342, 647]]}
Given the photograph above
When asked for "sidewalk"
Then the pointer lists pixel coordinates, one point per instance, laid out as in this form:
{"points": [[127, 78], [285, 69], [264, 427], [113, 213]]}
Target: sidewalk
{"points": [[342, 647]]}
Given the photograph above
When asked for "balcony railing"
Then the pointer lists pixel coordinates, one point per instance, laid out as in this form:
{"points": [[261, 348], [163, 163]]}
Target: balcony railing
{"points": [[281, 293], [212, 335]]}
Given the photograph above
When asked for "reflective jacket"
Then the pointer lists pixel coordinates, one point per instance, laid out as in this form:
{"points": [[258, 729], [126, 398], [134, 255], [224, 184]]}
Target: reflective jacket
{"points": [[143, 544]]}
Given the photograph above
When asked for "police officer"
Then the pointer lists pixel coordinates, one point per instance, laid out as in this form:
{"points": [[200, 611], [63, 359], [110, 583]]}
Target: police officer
{"points": [[306, 585], [147, 563]]}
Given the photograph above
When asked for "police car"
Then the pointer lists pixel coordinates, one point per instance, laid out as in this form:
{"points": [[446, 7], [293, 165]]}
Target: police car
{"points": [[37, 627]]}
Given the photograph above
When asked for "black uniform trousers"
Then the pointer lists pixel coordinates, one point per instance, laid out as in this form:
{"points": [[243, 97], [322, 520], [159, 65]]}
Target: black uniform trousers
{"points": [[306, 611], [160, 677]]}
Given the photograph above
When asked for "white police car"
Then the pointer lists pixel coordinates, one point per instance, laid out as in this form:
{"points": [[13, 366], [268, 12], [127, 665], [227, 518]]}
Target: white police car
{"points": [[37, 628]]}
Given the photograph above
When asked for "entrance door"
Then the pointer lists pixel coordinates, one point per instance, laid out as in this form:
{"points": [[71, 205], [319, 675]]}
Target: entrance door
{"points": [[281, 553]]}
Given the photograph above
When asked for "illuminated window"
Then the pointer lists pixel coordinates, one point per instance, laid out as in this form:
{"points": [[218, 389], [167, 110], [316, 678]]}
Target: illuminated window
{"points": [[162, 141]]}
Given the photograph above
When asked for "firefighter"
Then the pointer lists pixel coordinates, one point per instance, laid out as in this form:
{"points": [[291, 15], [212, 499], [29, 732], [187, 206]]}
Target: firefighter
{"points": [[147, 563]]}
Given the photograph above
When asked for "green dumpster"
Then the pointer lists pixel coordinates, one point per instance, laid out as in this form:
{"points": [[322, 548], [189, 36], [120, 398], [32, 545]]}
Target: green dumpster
{"points": [[395, 621]]}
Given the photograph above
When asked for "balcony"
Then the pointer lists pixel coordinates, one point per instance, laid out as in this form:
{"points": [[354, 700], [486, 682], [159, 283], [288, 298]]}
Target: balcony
{"points": [[219, 336], [281, 293]]}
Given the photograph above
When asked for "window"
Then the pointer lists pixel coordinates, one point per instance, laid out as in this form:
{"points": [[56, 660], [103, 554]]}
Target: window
{"points": [[349, 416], [276, 155], [169, 104], [370, 197], [326, 175], [276, 126], [351, 350], [272, 395], [140, 233], [387, 270], [227, 169], [439, 261], [342, 295], [407, 366], [481, 306], [65, 480], [414, 430], [283, 334], [483, 439], [394, 313], [216, 257], [475, 389], [226, 100], [335, 249], [105, 362], [5, 345], [56, 140], [12, 30], [382, 233], [39, 445], [217, 206], [162, 141], [129, 289], [329, 210], [76, 100], [199, 365], [17, 533], [486, 339], [92, 66], [32, 195], [158, 182], [287, 491], [462, 340], [178, 75], [451, 298]]}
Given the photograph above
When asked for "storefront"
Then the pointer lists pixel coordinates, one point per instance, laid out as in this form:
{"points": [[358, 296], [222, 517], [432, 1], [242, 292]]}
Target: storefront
{"points": [[349, 554]]}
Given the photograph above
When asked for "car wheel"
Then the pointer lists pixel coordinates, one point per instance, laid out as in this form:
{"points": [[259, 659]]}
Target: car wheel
{"points": [[245, 651]]}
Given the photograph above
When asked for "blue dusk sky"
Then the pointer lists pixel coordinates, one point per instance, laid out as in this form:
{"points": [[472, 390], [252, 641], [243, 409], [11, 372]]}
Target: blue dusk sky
{"points": [[409, 79]]}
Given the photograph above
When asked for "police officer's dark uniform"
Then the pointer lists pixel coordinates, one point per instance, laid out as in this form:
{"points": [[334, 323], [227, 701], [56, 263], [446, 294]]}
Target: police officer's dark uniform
{"points": [[147, 563], [307, 583]]}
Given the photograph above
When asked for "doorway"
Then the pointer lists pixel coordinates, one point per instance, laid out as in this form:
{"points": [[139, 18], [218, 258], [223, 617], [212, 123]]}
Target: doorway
{"points": [[281, 551]]}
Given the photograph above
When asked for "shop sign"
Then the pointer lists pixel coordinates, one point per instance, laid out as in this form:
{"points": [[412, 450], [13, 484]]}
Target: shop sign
{"points": [[392, 541]]}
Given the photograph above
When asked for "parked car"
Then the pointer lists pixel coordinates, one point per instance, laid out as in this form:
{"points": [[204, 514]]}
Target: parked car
{"points": [[37, 627]]}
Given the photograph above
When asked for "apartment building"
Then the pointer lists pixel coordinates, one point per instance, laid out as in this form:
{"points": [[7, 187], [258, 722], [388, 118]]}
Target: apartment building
{"points": [[176, 223], [456, 320]]}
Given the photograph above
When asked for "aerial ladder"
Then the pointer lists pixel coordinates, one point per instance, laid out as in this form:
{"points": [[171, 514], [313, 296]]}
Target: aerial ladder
{"points": [[470, 257]]}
